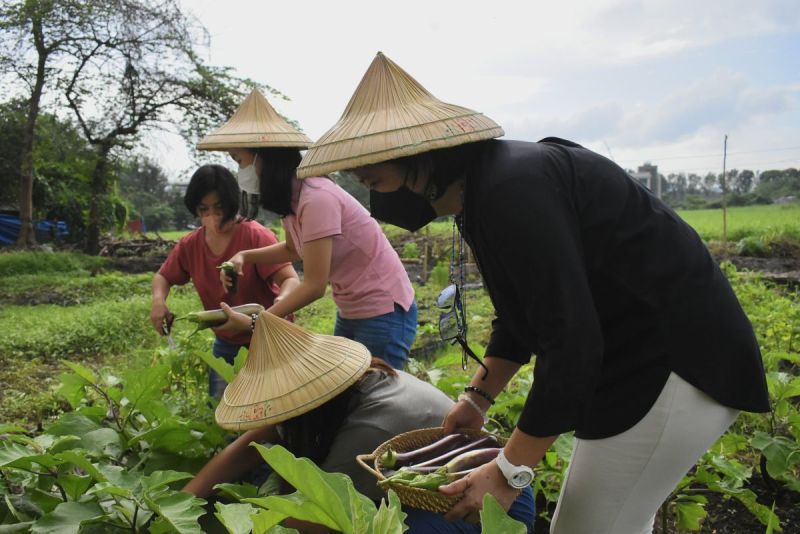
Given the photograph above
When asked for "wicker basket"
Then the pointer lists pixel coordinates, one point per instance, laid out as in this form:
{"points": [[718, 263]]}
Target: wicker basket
{"points": [[432, 501]]}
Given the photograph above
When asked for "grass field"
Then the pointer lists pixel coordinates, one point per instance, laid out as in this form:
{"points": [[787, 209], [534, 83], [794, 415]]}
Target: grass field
{"points": [[770, 222]]}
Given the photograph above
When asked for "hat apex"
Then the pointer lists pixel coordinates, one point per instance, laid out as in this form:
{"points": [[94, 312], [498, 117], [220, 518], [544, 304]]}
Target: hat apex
{"points": [[255, 124], [391, 115]]}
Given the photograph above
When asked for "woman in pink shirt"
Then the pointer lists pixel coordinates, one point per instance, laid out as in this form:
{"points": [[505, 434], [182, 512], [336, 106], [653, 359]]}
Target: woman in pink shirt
{"points": [[213, 196], [339, 243]]}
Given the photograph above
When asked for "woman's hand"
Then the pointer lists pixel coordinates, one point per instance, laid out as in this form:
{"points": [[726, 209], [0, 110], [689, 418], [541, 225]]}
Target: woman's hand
{"points": [[159, 315], [485, 479], [237, 322], [238, 264], [462, 415]]}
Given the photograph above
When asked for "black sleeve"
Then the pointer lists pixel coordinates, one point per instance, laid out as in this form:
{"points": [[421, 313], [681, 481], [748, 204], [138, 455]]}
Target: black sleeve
{"points": [[534, 229]]}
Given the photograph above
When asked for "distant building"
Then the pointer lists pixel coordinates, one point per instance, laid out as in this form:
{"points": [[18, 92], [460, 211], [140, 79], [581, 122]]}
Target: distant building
{"points": [[647, 175]]}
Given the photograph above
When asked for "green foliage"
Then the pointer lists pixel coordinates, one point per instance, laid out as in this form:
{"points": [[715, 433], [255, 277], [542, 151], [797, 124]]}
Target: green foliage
{"points": [[410, 250], [104, 462], [440, 274], [495, 520], [752, 246], [30, 263]]}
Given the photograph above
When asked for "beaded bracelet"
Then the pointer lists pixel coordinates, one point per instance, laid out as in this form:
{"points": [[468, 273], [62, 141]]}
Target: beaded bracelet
{"points": [[253, 317], [474, 404], [480, 392]]}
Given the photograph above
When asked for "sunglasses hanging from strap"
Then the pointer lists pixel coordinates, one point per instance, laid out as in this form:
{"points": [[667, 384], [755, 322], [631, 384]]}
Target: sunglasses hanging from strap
{"points": [[453, 321]]}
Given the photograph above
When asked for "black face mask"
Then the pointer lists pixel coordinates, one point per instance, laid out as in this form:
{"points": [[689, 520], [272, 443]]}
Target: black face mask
{"points": [[402, 208]]}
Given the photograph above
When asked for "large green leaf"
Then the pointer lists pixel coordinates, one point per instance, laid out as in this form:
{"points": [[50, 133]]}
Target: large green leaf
{"points": [[67, 518], [177, 511], [73, 388], [74, 485], [495, 520], [160, 479], [83, 372], [297, 506], [331, 492], [781, 452], [78, 459], [223, 368], [390, 518], [690, 511], [143, 386], [237, 491], [73, 424], [173, 436], [264, 520], [16, 455], [8, 428], [235, 517]]}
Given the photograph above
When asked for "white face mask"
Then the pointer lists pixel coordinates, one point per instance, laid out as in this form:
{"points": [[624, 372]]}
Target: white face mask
{"points": [[248, 178]]}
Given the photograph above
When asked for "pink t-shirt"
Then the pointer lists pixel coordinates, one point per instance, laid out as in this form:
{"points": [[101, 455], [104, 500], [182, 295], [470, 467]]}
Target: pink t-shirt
{"points": [[191, 259], [366, 275]]}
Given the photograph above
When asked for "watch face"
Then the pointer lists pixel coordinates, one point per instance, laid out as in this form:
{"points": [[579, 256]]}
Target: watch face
{"points": [[521, 479]]}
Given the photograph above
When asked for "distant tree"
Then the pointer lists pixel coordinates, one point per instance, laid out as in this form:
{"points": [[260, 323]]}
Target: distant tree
{"points": [[710, 182], [140, 71], [143, 184], [743, 181], [779, 183], [694, 183], [33, 34]]}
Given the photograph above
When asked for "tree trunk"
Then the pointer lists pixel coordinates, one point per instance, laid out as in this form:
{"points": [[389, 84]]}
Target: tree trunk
{"points": [[27, 235], [99, 191]]}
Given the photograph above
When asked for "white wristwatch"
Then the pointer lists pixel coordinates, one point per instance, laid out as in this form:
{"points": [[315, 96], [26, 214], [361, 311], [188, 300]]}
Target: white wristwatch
{"points": [[518, 476]]}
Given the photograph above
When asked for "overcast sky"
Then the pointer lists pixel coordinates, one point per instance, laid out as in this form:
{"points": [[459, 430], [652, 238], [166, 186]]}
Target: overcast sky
{"points": [[659, 81]]}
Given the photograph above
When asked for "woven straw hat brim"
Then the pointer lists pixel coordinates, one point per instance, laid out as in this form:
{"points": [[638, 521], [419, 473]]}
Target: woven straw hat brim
{"points": [[389, 116], [289, 371], [255, 124]]}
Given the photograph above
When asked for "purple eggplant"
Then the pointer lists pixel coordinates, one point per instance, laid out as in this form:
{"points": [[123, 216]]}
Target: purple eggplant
{"points": [[481, 443], [392, 459]]}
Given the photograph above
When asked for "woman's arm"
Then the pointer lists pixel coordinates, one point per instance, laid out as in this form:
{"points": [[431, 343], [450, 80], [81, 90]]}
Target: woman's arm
{"points": [[232, 463], [158, 308], [286, 279], [316, 269], [463, 414]]}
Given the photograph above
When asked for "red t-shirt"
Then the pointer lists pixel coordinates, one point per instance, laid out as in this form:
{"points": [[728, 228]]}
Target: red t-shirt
{"points": [[191, 259]]}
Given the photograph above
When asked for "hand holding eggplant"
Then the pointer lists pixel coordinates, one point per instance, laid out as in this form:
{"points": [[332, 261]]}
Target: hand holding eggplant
{"points": [[230, 270]]}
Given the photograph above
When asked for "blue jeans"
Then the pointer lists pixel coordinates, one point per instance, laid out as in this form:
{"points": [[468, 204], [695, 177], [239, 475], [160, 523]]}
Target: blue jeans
{"points": [[227, 351], [388, 336], [424, 522]]}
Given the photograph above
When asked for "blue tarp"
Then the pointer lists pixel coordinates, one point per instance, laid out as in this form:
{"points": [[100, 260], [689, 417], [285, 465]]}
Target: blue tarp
{"points": [[45, 230]]}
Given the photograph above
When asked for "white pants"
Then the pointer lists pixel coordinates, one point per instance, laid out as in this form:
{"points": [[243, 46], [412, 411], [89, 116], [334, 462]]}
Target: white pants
{"points": [[615, 485]]}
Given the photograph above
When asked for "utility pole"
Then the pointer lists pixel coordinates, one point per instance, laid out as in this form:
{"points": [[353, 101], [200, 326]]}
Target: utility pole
{"points": [[724, 194]]}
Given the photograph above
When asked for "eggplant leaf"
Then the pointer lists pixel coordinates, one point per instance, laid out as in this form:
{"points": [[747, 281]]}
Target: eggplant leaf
{"points": [[235, 517], [495, 520], [67, 518], [177, 512]]}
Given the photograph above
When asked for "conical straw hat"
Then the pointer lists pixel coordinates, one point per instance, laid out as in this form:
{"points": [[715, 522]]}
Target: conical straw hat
{"points": [[289, 371], [389, 116], [255, 124]]}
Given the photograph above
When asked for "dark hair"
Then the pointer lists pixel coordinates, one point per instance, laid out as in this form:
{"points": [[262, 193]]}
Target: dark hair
{"points": [[278, 167], [312, 433], [446, 165], [213, 178]]}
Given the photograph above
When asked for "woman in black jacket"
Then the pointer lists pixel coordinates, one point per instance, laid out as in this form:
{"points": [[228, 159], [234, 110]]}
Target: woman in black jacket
{"points": [[642, 348]]}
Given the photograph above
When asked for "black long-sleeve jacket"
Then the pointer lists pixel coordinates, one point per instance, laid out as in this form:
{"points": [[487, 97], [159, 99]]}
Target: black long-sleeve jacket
{"points": [[606, 285]]}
